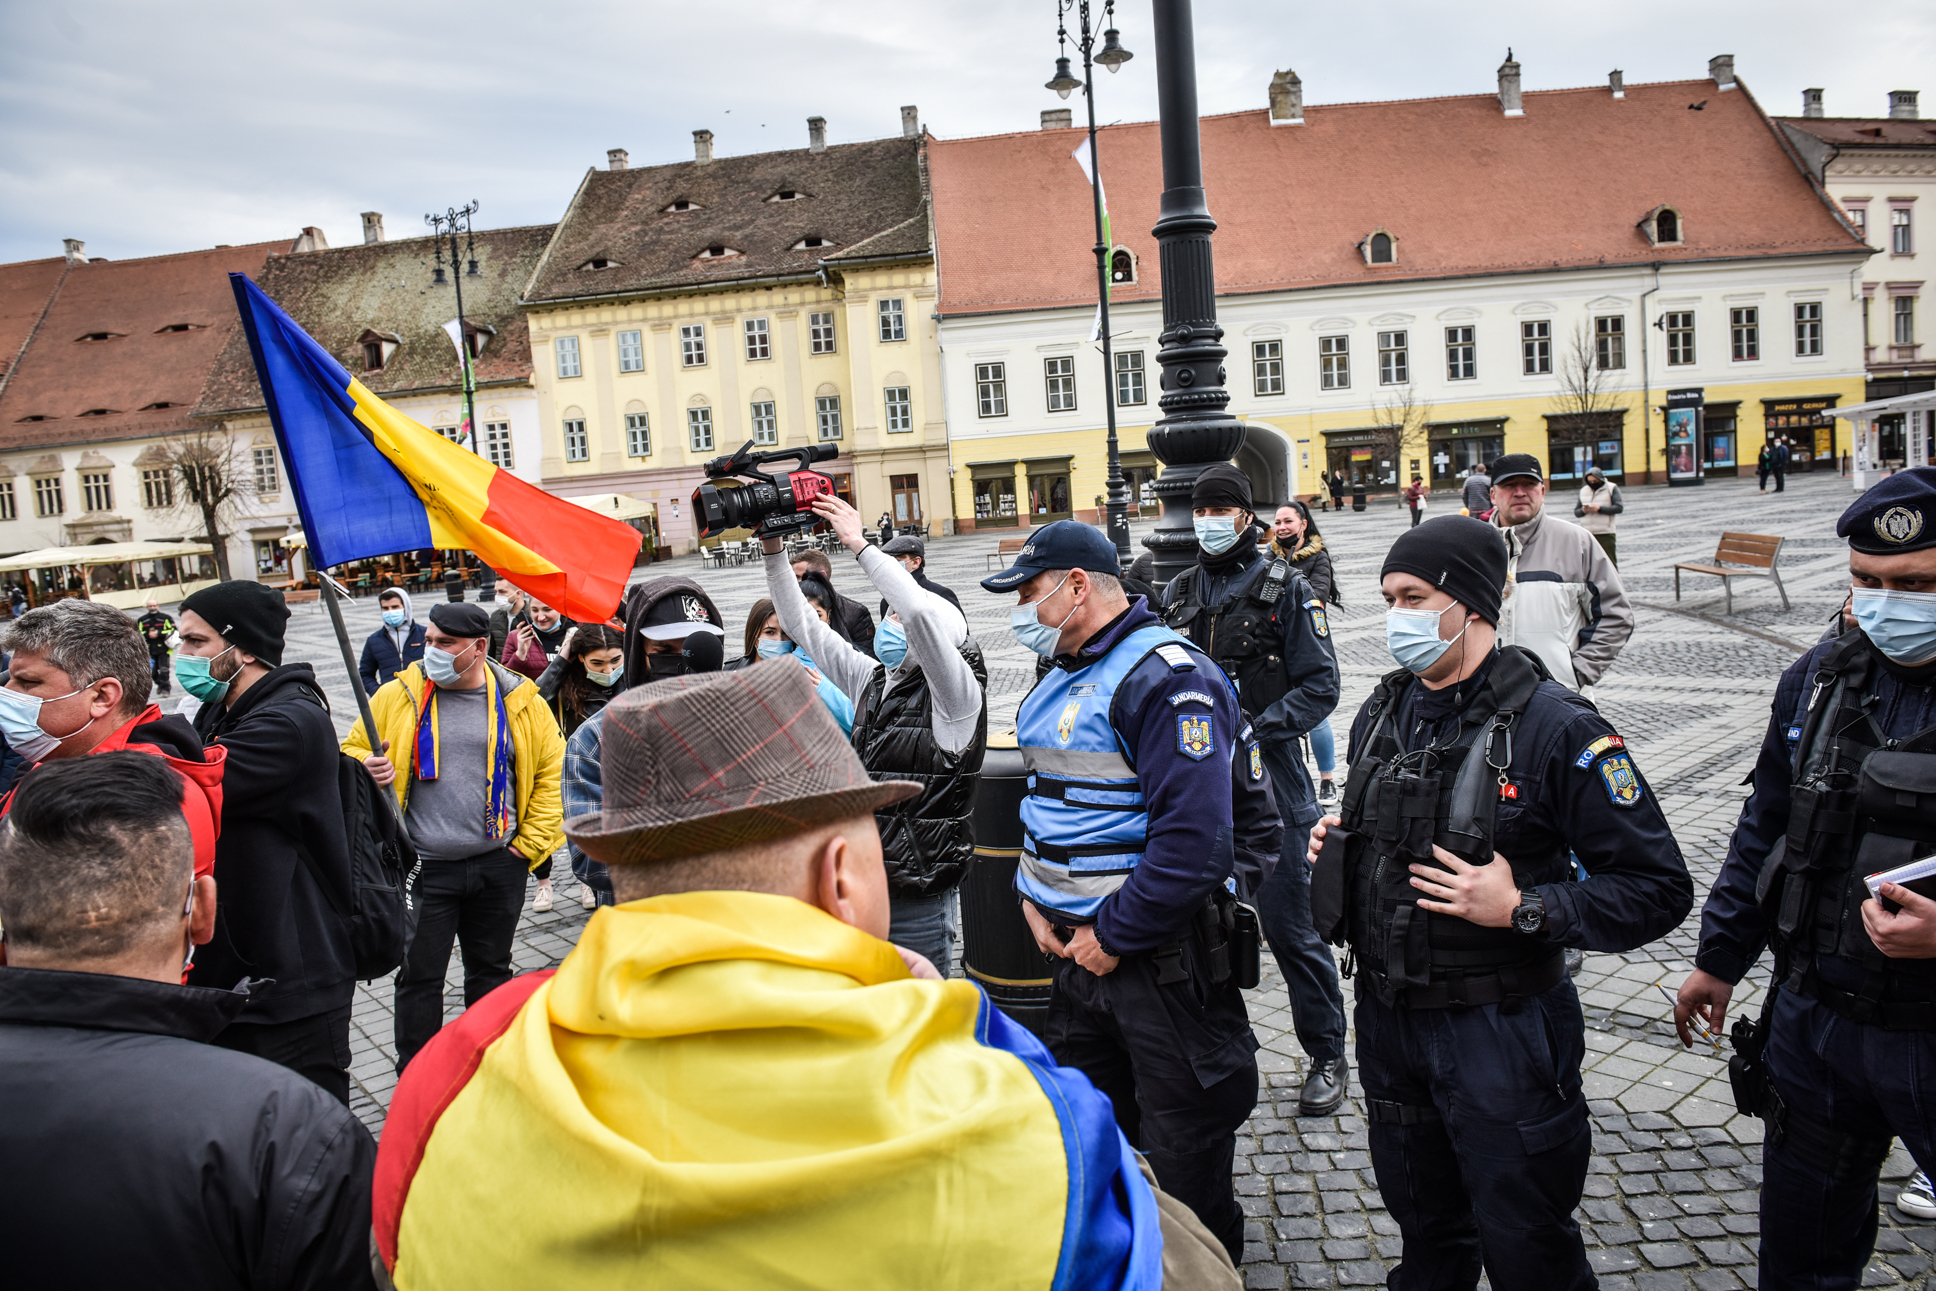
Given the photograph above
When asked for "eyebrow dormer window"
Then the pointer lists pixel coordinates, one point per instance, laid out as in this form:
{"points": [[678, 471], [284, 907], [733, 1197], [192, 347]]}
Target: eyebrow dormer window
{"points": [[812, 242], [156, 407], [180, 327], [717, 252], [599, 262], [1663, 226], [100, 336], [786, 195], [1380, 248], [681, 205]]}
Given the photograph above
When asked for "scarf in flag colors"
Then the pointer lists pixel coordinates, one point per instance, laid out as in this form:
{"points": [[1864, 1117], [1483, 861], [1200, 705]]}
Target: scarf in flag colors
{"points": [[498, 814], [369, 481], [731, 1090]]}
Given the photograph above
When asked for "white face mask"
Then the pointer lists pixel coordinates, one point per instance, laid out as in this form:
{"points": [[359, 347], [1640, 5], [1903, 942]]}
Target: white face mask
{"points": [[441, 666]]}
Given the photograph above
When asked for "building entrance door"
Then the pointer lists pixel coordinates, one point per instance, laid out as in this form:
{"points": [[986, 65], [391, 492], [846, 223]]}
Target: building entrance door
{"points": [[907, 498]]}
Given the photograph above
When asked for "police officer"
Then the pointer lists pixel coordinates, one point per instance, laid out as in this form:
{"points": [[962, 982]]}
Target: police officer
{"points": [[1262, 621], [1845, 787], [1127, 845], [1472, 776]]}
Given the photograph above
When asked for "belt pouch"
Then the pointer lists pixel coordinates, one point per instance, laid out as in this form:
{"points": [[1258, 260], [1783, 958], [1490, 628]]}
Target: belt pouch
{"points": [[1330, 879]]}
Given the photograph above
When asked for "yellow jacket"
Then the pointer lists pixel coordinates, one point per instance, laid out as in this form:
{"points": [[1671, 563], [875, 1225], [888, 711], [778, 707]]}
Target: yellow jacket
{"points": [[539, 748]]}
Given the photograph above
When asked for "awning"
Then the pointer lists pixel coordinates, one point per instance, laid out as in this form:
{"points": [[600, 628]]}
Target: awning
{"points": [[619, 506], [295, 541], [1919, 402], [104, 553]]}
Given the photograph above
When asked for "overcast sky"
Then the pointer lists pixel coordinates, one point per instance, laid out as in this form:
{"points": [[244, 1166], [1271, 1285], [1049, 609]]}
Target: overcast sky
{"points": [[145, 128]]}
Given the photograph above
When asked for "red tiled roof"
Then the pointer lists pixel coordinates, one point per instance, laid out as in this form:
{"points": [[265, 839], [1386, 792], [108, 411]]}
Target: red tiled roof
{"points": [[1867, 132], [62, 377], [25, 290], [1464, 189]]}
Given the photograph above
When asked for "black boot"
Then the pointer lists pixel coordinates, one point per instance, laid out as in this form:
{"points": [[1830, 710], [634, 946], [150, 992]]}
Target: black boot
{"points": [[1325, 1088]]}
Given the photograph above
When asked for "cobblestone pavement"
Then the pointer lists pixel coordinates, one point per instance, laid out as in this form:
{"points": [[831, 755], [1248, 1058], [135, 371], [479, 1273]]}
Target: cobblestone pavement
{"points": [[1671, 1198]]}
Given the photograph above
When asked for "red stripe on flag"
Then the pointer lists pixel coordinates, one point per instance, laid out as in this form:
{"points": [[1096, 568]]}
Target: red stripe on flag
{"points": [[427, 1087], [596, 552]]}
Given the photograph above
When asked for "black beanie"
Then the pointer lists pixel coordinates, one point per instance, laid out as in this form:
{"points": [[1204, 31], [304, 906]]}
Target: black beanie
{"points": [[246, 614], [1221, 485], [1458, 555]]}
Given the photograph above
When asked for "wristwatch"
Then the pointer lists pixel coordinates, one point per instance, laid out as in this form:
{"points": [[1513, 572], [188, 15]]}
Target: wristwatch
{"points": [[1529, 916]]}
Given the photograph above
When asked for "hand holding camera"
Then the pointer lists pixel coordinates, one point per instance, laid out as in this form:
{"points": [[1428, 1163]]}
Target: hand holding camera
{"points": [[770, 504]]}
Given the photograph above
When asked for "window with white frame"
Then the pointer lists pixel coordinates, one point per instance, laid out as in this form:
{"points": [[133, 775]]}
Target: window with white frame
{"points": [[1610, 342], [1744, 334], [1680, 337], [497, 443], [1267, 367], [766, 423], [1130, 388], [1394, 359], [452, 433], [1334, 362], [820, 333], [8, 508], [826, 411], [900, 410], [1536, 347], [631, 352], [266, 476], [567, 349], [1859, 216], [638, 435], [893, 314], [991, 389], [1059, 376], [1808, 328], [157, 490], [97, 491], [578, 445], [699, 429], [692, 345], [1901, 239], [759, 343], [1903, 310], [1461, 354], [49, 498]]}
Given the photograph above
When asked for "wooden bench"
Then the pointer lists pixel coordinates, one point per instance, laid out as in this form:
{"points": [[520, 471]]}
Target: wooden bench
{"points": [[1740, 555], [1005, 548]]}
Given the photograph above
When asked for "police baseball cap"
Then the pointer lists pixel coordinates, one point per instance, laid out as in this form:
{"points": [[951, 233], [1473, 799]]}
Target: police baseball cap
{"points": [[1066, 544], [1516, 464], [1896, 515]]}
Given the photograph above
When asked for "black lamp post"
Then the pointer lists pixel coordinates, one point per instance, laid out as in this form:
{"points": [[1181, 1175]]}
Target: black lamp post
{"points": [[1112, 56], [444, 227], [1195, 430]]}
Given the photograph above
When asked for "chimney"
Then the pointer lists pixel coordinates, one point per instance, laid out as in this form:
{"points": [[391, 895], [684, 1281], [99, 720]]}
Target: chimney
{"points": [[1057, 118], [702, 146], [1509, 86], [816, 134], [615, 158], [312, 239], [1286, 99], [910, 122], [1721, 68], [372, 227], [1617, 82], [1812, 102], [1902, 106], [76, 250]]}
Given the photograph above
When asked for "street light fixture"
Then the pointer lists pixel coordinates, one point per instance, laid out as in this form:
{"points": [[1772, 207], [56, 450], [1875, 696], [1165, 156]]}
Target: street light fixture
{"points": [[446, 227], [1112, 56]]}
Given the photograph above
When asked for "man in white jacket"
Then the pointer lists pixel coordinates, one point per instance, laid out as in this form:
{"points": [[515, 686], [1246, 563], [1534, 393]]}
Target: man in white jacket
{"points": [[1566, 602]]}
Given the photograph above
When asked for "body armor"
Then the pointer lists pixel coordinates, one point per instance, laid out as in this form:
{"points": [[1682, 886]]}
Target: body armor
{"points": [[1244, 635]]}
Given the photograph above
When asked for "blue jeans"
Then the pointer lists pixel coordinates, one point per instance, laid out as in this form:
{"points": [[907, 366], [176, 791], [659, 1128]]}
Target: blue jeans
{"points": [[923, 926], [1284, 910], [1324, 747]]}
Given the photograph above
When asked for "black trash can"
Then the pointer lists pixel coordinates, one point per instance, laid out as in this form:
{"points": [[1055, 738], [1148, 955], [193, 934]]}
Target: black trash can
{"points": [[1357, 497], [997, 949]]}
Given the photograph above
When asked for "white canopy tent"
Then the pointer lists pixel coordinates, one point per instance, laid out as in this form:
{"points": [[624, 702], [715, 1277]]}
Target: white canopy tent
{"points": [[121, 574], [1918, 413]]}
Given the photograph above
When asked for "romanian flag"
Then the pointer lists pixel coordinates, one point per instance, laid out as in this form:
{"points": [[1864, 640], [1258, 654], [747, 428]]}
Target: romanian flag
{"points": [[369, 481]]}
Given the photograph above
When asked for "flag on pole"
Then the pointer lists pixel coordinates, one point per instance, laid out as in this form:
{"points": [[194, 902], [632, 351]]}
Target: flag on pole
{"points": [[1081, 155], [369, 481]]}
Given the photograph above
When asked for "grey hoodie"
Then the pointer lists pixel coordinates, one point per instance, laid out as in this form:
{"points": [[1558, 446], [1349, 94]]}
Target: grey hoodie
{"points": [[398, 636]]}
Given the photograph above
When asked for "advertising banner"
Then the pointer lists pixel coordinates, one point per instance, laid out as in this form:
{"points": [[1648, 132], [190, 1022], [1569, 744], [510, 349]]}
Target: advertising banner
{"points": [[1684, 436]]}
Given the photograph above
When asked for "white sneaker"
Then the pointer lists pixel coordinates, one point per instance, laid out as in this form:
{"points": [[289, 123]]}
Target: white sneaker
{"points": [[1916, 1199], [587, 897], [1327, 794], [542, 901]]}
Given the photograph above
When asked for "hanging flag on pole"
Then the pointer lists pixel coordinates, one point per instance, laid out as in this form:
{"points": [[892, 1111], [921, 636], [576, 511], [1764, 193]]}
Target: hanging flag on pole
{"points": [[1081, 156], [369, 481], [453, 330]]}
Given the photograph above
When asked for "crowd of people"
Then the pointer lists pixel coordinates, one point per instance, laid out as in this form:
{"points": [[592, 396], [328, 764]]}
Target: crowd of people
{"points": [[762, 1061]]}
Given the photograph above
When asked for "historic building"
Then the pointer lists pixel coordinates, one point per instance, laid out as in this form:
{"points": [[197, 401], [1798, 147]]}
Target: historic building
{"points": [[785, 298], [1408, 287]]}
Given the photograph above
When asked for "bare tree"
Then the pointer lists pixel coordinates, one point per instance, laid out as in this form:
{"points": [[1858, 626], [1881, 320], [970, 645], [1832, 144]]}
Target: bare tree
{"points": [[209, 486], [1401, 430], [1583, 382]]}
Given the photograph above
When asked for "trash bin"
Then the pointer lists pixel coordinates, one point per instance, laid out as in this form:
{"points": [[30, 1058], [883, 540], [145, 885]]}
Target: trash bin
{"points": [[1357, 497], [997, 949]]}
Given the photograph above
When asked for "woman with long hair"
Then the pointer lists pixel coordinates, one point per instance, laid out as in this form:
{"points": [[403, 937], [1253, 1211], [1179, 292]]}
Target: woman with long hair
{"points": [[1295, 537], [765, 640], [592, 671]]}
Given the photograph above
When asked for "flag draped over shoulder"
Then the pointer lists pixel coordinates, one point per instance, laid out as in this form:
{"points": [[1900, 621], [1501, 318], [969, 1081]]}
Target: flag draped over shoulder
{"points": [[370, 481]]}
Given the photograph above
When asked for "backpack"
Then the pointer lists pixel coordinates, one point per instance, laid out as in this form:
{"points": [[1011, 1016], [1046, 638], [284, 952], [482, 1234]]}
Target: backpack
{"points": [[382, 910]]}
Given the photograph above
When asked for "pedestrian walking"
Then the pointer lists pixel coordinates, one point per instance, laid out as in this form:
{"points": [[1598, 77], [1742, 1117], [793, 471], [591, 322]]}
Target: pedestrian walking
{"points": [[475, 771], [1414, 494], [156, 628], [138, 1154], [1337, 490], [1597, 508], [1449, 873], [1764, 464], [1779, 464], [1476, 493], [283, 861], [886, 528], [1836, 1064], [1295, 537], [394, 646]]}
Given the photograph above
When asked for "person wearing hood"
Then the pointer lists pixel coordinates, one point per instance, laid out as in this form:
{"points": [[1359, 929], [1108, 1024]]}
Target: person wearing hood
{"points": [[394, 646], [282, 864], [920, 714], [1264, 623]]}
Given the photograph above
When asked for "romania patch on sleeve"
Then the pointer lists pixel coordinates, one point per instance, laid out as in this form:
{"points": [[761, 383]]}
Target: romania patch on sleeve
{"points": [[1256, 762], [1193, 737], [1602, 745], [1319, 624], [1622, 781]]}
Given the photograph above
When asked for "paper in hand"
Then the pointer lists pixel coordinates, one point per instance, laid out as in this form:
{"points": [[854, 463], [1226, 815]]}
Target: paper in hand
{"points": [[1919, 876]]}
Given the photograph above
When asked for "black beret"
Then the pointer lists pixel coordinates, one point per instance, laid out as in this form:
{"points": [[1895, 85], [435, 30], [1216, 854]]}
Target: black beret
{"points": [[1897, 515], [461, 618], [246, 614]]}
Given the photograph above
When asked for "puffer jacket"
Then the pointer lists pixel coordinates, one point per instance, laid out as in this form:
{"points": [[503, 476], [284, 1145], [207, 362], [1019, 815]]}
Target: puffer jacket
{"points": [[1564, 601]]}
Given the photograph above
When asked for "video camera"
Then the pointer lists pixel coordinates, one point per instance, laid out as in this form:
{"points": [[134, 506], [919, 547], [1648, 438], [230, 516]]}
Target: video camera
{"points": [[769, 504]]}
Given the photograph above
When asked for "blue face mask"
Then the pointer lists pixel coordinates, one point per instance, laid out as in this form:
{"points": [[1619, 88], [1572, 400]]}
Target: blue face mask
{"points": [[604, 678], [1216, 534], [1413, 638], [1031, 631], [890, 643], [771, 649], [395, 618], [1901, 624]]}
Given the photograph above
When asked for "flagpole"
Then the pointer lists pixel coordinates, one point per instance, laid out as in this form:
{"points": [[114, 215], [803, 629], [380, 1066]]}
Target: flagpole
{"points": [[331, 591]]}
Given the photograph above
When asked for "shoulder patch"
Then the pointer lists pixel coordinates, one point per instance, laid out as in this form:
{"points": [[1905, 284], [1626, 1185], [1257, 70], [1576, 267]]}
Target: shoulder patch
{"points": [[1319, 624], [1606, 743], [1256, 762], [1191, 697], [1622, 781], [1194, 738], [1177, 657]]}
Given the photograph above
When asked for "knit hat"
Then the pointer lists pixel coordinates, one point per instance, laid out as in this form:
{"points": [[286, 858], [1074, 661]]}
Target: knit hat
{"points": [[1221, 485], [1463, 557], [461, 618], [246, 614]]}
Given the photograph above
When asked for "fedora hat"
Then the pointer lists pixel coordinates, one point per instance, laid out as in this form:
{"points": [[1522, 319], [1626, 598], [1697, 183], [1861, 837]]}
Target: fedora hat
{"points": [[704, 763]]}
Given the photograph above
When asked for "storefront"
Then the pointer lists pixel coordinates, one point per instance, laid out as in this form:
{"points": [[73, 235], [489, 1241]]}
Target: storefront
{"points": [[994, 494], [1456, 447], [1720, 451], [1363, 457], [1808, 427], [1139, 481], [1576, 441], [1049, 497]]}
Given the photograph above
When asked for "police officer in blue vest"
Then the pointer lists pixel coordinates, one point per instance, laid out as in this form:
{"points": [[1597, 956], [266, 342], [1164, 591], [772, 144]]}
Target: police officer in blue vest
{"points": [[1448, 871], [1842, 1058], [1127, 845]]}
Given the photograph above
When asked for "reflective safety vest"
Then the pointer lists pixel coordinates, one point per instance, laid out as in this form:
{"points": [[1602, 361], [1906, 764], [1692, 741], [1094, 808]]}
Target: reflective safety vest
{"points": [[1084, 821]]}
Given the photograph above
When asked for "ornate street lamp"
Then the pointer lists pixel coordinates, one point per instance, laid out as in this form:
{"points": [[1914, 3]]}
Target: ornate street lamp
{"points": [[446, 227]]}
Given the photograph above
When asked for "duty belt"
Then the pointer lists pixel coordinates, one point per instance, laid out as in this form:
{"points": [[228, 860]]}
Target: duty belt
{"points": [[1866, 1008], [1471, 990]]}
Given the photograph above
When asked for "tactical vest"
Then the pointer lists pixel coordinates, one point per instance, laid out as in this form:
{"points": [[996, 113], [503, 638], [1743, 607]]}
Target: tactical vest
{"points": [[1399, 804], [1244, 635], [1084, 821], [1862, 803], [927, 841]]}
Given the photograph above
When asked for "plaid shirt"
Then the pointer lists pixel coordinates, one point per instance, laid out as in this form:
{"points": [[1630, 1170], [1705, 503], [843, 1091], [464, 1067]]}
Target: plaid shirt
{"points": [[584, 792]]}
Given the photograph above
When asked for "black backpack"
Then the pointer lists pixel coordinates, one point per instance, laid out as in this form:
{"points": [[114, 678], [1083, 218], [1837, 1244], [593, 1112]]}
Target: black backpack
{"points": [[382, 910]]}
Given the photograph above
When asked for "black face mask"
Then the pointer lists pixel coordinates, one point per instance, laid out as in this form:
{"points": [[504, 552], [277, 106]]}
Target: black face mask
{"points": [[660, 667]]}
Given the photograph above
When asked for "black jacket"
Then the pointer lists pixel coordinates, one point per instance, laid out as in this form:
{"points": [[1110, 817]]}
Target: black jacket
{"points": [[380, 661], [133, 1155], [855, 624], [272, 917]]}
